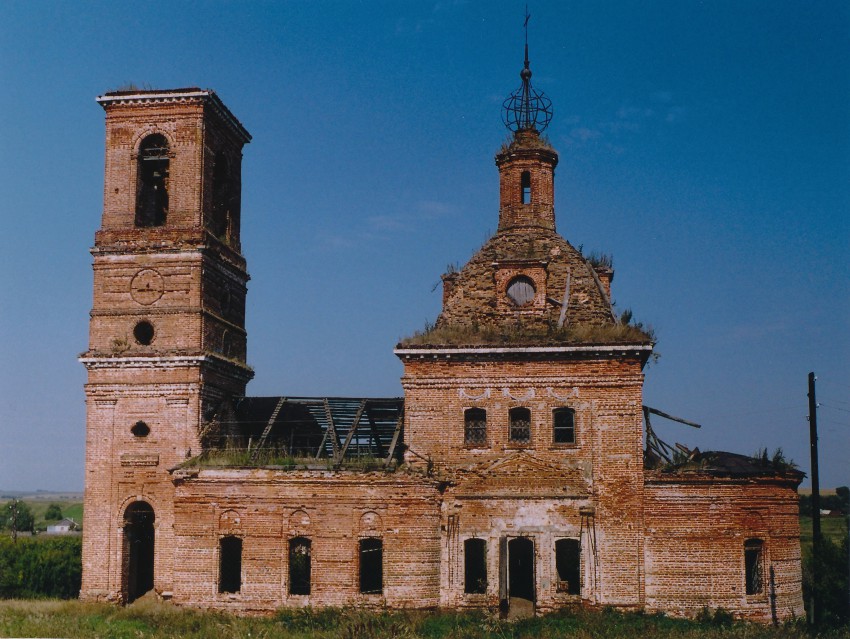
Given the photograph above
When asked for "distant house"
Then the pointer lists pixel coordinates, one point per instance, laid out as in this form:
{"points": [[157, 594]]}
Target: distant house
{"points": [[62, 527]]}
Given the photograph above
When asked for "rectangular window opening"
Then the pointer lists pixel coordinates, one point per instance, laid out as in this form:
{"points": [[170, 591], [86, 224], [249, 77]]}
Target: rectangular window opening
{"points": [[475, 566], [568, 565], [563, 426], [371, 566], [525, 183], [753, 560], [230, 565]]}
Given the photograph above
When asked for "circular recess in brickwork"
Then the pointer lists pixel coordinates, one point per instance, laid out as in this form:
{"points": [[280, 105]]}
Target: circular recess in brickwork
{"points": [[140, 429], [143, 332], [147, 286], [521, 290]]}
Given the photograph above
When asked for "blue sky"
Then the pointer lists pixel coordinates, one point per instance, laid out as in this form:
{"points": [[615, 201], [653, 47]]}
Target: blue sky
{"points": [[705, 145]]}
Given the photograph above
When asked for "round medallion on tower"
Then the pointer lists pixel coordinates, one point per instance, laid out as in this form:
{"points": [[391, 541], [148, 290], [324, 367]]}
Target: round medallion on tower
{"points": [[147, 286]]}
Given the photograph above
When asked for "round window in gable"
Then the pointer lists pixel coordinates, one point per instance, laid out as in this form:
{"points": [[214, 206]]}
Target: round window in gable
{"points": [[521, 290], [143, 332], [140, 429]]}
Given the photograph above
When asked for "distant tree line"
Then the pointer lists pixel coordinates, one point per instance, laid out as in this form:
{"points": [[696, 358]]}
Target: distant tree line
{"points": [[37, 567], [840, 501]]}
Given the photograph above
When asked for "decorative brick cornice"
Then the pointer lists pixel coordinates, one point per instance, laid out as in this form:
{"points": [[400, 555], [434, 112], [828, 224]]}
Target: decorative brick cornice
{"points": [[525, 352], [215, 362], [177, 96]]}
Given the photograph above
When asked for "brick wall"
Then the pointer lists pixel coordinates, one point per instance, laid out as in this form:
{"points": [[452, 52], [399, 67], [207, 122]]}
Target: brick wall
{"points": [[334, 509], [696, 527]]}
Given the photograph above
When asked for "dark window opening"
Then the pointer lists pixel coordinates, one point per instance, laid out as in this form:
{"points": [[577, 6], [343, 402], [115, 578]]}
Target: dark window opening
{"points": [[521, 290], [138, 550], [525, 183], [299, 566], [371, 566], [563, 426], [230, 565], [568, 565], [143, 332], [753, 559], [152, 188], [475, 566], [475, 427], [222, 198], [140, 429], [520, 424]]}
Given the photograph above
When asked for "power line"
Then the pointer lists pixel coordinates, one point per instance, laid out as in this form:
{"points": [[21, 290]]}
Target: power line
{"points": [[843, 410]]}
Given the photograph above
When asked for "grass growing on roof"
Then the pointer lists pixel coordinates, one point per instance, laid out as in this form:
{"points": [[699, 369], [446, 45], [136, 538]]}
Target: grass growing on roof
{"points": [[518, 335]]}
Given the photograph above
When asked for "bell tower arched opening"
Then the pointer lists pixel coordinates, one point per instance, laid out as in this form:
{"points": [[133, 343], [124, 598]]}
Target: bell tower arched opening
{"points": [[152, 185]]}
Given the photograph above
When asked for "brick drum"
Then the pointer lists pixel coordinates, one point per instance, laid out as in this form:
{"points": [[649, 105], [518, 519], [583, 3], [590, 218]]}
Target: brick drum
{"points": [[517, 475]]}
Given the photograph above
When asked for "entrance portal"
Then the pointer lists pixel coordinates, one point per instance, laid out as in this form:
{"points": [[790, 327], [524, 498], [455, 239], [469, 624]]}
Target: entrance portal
{"points": [[521, 568], [516, 576], [138, 550]]}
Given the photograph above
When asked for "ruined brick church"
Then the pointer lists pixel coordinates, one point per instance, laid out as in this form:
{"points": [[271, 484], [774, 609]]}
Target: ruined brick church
{"points": [[518, 470]]}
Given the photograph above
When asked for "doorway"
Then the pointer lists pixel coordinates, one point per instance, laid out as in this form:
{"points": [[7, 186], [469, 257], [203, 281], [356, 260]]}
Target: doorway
{"points": [[516, 575], [138, 550]]}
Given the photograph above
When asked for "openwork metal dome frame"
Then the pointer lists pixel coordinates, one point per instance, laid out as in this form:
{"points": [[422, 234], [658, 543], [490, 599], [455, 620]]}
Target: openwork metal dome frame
{"points": [[526, 108]]}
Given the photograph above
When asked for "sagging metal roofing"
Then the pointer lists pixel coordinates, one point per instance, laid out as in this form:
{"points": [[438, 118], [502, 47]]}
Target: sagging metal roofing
{"points": [[331, 427]]}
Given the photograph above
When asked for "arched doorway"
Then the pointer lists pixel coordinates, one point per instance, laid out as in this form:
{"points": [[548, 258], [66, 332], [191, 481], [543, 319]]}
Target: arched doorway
{"points": [[137, 575]]}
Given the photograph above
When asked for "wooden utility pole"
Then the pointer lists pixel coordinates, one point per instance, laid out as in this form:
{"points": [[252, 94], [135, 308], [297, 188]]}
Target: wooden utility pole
{"points": [[813, 441]]}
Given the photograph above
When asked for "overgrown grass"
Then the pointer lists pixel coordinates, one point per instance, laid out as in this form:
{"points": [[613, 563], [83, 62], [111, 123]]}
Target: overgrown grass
{"points": [[150, 618], [455, 335], [279, 460]]}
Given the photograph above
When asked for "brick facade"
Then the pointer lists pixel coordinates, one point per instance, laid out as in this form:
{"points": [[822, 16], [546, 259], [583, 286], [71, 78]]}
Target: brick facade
{"points": [[523, 473]]}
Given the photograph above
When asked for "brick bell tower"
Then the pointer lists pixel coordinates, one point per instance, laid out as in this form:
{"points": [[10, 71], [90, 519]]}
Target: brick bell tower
{"points": [[167, 340]]}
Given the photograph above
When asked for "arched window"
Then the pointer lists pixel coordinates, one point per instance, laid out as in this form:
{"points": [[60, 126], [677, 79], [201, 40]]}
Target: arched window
{"points": [[371, 566], [754, 566], [563, 426], [152, 187], [230, 565], [520, 424], [475, 566], [568, 565], [299, 566], [475, 427], [525, 184]]}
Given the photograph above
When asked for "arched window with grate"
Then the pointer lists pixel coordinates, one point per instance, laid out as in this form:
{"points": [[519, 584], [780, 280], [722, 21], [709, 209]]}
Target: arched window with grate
{"points": [[520, 424], [299, 566], [475, 427], [754, 566]]}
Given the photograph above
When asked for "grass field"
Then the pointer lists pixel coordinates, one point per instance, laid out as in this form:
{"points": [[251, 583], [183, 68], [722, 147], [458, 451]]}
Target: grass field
{"points": [[833, 528], [71, 505], [151, 619]]}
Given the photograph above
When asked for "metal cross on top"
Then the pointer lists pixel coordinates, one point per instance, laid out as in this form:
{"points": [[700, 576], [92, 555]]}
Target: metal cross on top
{"points": [[526, 108]]}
